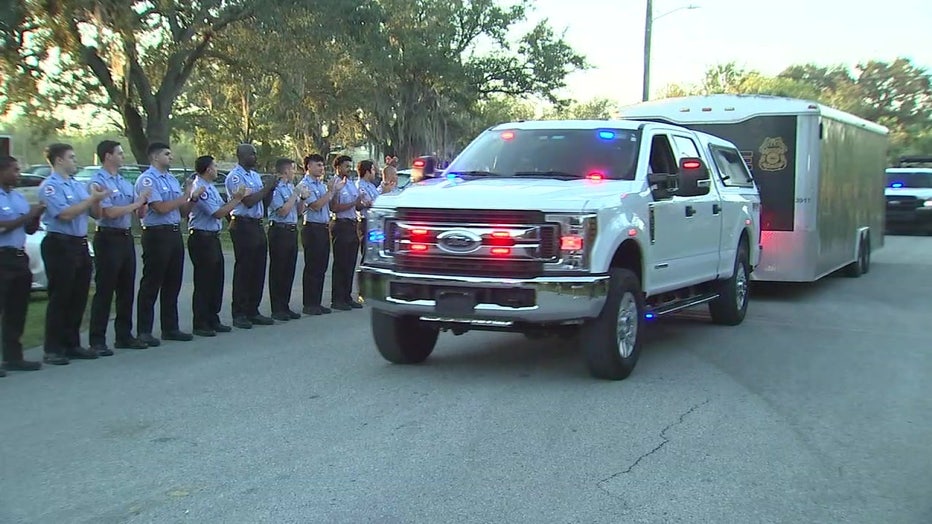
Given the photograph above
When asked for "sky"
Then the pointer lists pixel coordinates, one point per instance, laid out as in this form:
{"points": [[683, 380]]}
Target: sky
{"points": [[756, 34]]}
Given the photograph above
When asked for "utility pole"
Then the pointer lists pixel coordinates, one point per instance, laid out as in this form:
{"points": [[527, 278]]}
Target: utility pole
{"points": [[648, 27]]}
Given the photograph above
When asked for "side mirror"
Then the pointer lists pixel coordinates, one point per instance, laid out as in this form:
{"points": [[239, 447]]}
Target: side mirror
{"points": [[423, 167], [694, 179], [663, 185]]}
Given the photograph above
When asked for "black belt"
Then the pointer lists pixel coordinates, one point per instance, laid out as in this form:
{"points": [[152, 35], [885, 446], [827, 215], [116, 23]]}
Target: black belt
{"points": [[68, 238], [205, 232], [114, 231], [15, 251], [248, 220], [283, 225], [317, 224], [165, 227], [346, 220]]}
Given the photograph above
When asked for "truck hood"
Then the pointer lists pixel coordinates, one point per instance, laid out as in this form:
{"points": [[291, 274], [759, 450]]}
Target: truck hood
{"points": [[510, 193]]}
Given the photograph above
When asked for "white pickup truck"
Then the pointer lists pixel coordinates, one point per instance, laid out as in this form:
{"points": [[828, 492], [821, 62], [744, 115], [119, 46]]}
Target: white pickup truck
{"points": [[587, 229]]}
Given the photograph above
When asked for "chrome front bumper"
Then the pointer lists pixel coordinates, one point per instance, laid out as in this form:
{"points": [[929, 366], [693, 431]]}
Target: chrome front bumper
{"points": [[544, 299]]}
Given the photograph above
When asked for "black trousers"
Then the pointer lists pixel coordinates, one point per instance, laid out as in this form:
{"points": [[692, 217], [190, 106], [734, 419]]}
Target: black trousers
{"points": [[15, 285], [162, 271], [283, 259], [316, 241], [115, 274], [68, 267], [345, 246], [207, 258], [250, 249]]}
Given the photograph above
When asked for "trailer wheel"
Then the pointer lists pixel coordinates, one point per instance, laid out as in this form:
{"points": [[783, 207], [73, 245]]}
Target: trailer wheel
{"points": [[732, 304], [860, 266], [403, 340], [612, 341]]}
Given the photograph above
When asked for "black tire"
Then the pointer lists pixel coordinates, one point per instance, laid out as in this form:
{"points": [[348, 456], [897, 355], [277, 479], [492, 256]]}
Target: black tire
{"points": [[605, 356], [731, 306], [862, 265], [403, 340]]}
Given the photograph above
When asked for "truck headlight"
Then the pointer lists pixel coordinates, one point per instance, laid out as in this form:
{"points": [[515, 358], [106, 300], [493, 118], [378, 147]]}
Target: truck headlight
{"points": [[577, 238], [927, 203], [378, 237]]}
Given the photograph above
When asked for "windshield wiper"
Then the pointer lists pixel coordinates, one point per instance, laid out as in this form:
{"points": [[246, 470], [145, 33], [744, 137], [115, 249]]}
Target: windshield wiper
{"points": [[559, 175], [471, 173]]}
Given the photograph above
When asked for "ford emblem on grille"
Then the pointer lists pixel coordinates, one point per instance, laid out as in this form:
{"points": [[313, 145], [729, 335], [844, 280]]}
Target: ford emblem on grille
{"points": [[459, 241]]}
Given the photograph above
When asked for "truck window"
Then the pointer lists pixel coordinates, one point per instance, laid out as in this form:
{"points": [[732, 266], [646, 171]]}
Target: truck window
{"points": [[731, 165], [686, 148], [661, 156]]}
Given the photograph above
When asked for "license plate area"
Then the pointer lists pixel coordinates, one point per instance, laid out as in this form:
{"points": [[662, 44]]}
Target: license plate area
{"points": [[452, 301]]}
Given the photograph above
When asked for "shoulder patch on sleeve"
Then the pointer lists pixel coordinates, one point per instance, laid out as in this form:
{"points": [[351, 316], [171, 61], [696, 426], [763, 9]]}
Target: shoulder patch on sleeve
{"points": [[49, 190], [234, 179], [204, 195], [147, 181]]}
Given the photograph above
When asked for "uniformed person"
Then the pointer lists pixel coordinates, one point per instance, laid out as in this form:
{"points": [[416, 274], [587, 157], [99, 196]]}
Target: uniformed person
{"points": [[345, 237], [287, 201], [162, 247], [65, 255], [114, 253], [249, 241], [204, 223], [315, 233], [369, 192], [17, 219]]}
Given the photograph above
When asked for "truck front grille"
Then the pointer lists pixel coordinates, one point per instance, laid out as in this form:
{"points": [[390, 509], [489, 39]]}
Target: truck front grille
{"points": [[902, 203]]}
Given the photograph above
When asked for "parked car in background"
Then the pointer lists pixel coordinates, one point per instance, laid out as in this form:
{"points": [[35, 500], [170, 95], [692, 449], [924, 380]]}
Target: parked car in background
{"points": [[40, 281], [129, 172], [29, 186]]}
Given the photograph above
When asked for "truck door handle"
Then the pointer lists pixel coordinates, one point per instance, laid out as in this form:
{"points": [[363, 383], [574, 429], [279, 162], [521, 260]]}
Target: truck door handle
{"points": [[716, 209], [690, 211]]}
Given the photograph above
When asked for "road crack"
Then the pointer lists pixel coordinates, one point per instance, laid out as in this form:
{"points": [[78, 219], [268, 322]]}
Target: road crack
{"points": [[664, 442]]}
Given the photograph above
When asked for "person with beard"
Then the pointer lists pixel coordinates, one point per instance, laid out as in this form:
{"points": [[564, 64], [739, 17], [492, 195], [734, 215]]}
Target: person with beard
{"points": [[369, 192], [250, 244], [345, 237], [17, 219], [162, 247], [65, 255]]}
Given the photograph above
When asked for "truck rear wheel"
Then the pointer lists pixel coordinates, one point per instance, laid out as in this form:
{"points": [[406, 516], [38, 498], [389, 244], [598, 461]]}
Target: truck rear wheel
{"points": [[612, 341], [403, 340], [732, 304]]}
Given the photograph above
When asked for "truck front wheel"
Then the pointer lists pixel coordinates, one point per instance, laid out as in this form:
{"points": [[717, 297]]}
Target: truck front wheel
{"points": [[612, 341], [732, 304], [403, 340]]}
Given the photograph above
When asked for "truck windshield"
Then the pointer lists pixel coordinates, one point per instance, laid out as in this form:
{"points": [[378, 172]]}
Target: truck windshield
{"points": [[910, 179], [550, 153]]}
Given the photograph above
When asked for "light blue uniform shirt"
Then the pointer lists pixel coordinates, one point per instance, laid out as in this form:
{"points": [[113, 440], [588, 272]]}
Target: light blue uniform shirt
{"points": [[347, 194], [119, 193], [165, 187], [282, 192], [239, 176], [58, 194], [12, 206], [201, 216], [318, 189]]}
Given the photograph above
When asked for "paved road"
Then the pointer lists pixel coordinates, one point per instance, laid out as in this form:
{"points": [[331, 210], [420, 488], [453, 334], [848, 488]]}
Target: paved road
{"points": [[817, 409]]}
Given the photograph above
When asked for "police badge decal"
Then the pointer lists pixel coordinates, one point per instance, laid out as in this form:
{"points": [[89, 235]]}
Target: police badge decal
{"points": [[773, 154]]}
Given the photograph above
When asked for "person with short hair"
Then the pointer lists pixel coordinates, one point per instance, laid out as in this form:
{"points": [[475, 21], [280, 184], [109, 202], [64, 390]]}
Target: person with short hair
{"points": [[345, 243], [287, 201], [315, 234], [17, 219]]}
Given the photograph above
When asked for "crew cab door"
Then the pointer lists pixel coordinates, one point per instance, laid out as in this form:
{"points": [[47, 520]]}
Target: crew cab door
{"points": [[703, 225], [685, 230]]}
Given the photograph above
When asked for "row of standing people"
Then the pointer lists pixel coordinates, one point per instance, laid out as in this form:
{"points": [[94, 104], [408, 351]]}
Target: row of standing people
{"points": [[160, 202]]}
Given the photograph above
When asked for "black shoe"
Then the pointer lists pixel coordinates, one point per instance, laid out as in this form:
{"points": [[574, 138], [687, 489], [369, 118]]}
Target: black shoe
{"points": [[205, 332], [2, 372], [55, 359], [242, 323], [178, 336], [149, 340], [222, 328], [355, 305], [341, 307], [262, 320], [102, 350], [81, 353], [130, 343], [22, 365], [312, 310], [281, 317], [294, 315]]}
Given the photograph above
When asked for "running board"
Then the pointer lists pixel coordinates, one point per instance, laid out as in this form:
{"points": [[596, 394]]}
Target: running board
{"points": [[672, 307]]}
